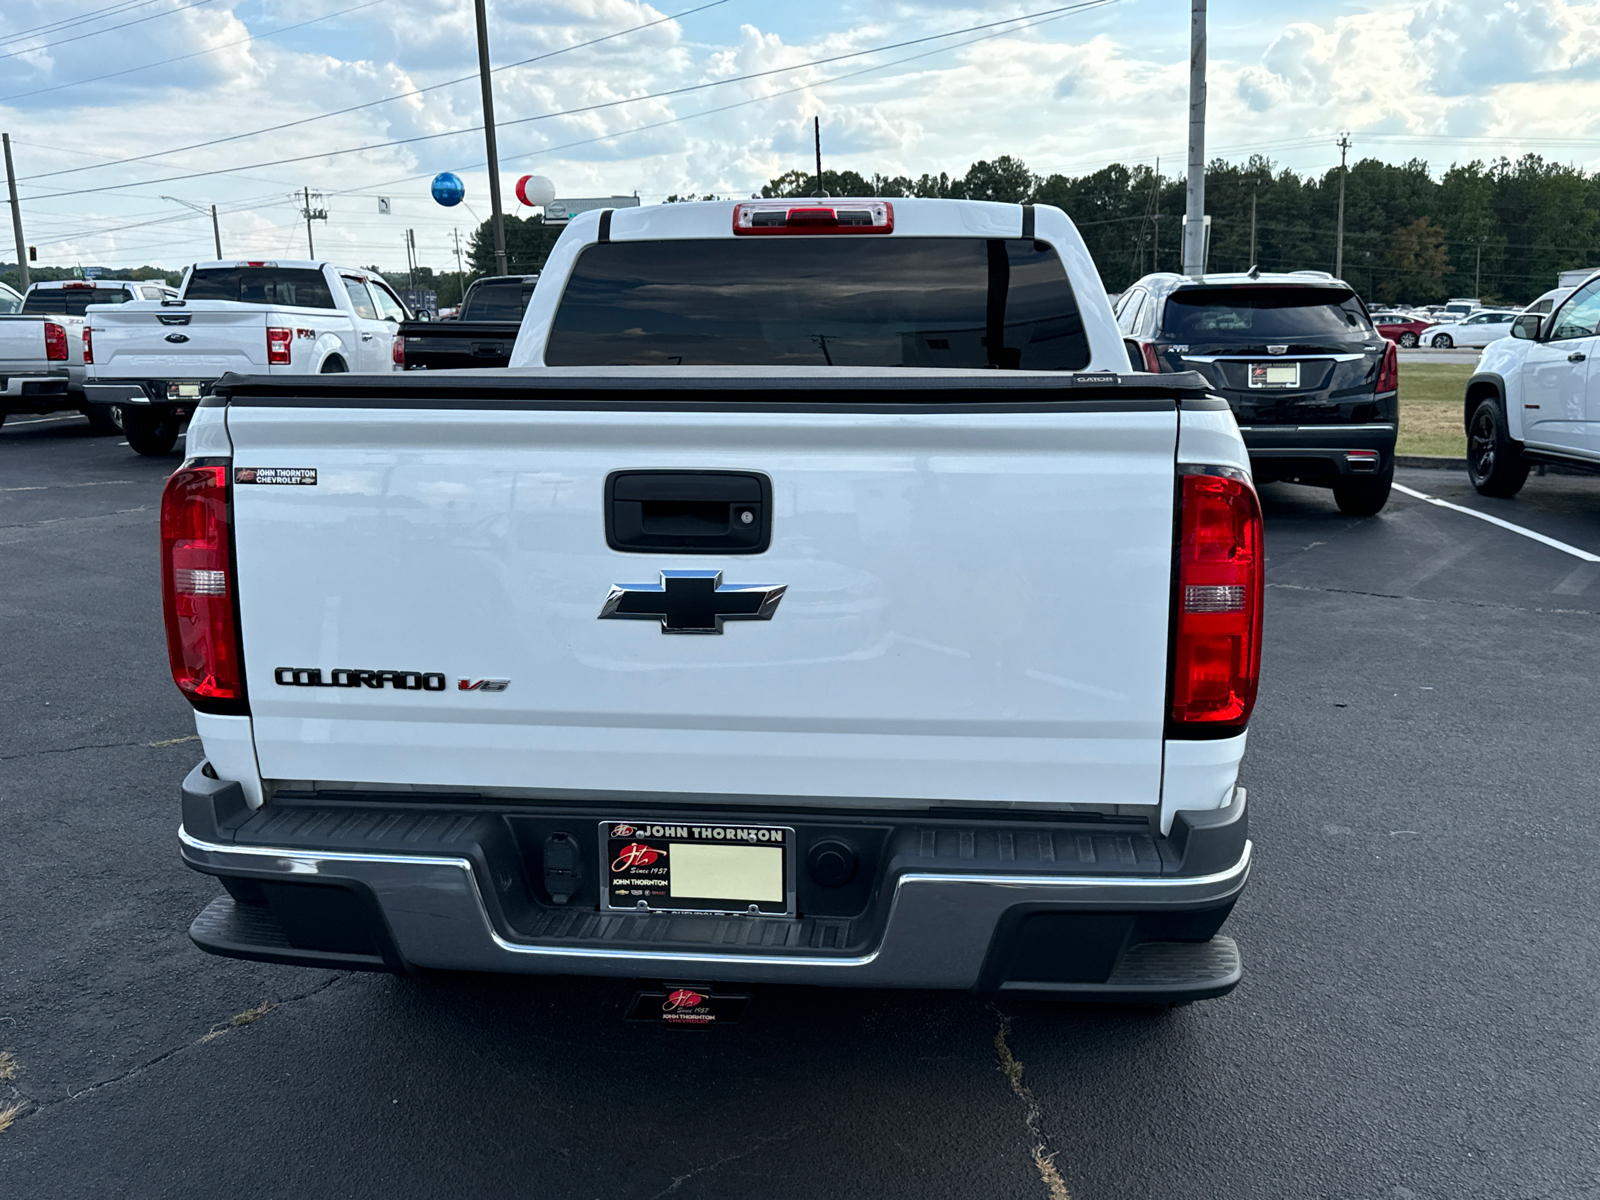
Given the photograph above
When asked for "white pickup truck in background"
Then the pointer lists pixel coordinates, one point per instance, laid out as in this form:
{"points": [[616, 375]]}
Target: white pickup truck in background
{"points": [[816, 598], [41, 365], [156, 359]]}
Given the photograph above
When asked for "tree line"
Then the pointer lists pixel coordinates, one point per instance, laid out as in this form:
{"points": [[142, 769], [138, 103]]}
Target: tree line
{"points": [[1499, 230]]}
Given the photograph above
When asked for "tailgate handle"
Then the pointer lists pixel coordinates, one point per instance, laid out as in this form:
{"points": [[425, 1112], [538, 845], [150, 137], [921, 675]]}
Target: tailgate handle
{"points": [[689, 512]]}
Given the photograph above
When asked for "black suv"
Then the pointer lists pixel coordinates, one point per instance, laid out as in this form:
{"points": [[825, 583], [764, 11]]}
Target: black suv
{"points": [[1314, 387]]}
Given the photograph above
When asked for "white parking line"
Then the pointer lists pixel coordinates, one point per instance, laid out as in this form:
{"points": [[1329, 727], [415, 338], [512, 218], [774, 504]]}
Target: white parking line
{"points": [[1527, 533], [43, 420], [47, 487]]}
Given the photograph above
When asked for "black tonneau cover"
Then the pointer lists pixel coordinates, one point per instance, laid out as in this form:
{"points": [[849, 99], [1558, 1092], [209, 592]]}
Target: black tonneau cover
{"points": [[664, 389]]}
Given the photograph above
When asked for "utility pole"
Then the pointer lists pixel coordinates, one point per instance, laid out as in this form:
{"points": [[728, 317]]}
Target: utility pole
{"points": [[498, 218], [1338, 253], [822, 192], [461, 272], [1477, 271], [311, 214], [16, 216], [1194, 232], [411, 259], [1252, 231], [1155, 245], [216, 230]]}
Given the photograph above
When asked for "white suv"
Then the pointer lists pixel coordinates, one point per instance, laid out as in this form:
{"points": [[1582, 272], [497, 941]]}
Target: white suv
{"points": [[1535, 396]]}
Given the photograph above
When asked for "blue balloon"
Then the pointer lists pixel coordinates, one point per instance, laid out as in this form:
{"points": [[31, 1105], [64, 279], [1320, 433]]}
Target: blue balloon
{"points": [[448, 189]]}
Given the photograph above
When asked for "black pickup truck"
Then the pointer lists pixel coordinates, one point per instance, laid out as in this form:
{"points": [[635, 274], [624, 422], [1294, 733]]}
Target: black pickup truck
{"points": [[480, 335]]}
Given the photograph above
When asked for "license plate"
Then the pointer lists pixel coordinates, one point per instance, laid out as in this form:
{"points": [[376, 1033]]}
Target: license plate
{"points": [[1275, 375], [188, 391], [691, 867]]}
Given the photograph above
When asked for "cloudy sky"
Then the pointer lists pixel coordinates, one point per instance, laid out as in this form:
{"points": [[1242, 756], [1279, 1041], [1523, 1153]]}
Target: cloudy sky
{"points": [[86, 85]]}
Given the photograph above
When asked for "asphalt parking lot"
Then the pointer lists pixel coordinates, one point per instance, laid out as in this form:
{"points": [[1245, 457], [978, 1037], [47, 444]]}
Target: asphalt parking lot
{"points": [[1417, 1017]]}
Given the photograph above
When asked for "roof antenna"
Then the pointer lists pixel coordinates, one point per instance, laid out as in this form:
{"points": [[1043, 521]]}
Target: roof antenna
{"points": [[816, 125], [1254, 272]]}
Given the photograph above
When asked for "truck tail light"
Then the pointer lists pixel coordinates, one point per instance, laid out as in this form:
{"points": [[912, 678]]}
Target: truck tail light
{"points": [[55, 342], [278, 346], [1216, 645], [398, 353], [197, 590], [88, 346], [1389, 372], [1152, 360], [813, 216]]}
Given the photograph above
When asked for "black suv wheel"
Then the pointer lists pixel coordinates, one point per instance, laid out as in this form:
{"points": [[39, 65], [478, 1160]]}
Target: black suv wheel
{"points": [[1494, 462], [1363, 495]]}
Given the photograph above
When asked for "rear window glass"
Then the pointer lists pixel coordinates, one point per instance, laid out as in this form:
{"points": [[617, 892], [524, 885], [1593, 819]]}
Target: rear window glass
{"points": [[827, 301], [71, 302], [497, 301], [1252, 313], [298, 287]]}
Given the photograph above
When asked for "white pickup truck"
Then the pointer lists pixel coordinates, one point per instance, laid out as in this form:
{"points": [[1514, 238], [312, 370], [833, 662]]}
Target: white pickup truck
{"points": [[41, 365], [816, 599], [156, 359]]}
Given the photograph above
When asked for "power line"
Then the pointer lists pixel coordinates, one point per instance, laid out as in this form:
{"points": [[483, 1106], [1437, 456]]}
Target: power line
{"points": [[339, 112], [1050, 17], [68, 22], [166, 62], [366, 189], [680, 91], [107, 29]]}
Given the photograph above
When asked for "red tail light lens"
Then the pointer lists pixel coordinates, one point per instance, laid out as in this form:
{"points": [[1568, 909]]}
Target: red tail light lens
{"points": [[278, 346], [88, 346], [1152, 360], [197, 589], [399, 352], [1216, 654], [55, 342], [830, 216], [1389, 372]]}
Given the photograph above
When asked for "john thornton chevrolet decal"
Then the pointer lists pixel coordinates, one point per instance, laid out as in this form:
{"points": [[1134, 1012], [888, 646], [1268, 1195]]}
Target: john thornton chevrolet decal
{"points": [[301, 475]]}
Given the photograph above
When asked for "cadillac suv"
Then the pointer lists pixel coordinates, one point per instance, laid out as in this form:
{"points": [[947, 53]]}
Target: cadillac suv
{"points": [[1313, 385]]}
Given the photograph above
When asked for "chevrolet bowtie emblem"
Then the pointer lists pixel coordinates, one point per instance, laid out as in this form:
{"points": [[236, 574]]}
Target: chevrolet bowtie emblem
{"points": [[692, 601]]}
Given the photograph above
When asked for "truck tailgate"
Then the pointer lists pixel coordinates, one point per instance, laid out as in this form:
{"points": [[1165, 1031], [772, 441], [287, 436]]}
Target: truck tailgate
{"points": [[975, 610], [204, 339], [22, 343]]}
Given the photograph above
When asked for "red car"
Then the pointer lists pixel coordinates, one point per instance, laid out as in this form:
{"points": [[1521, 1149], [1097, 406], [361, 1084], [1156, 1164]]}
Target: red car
{"points": [[1406, 331]]}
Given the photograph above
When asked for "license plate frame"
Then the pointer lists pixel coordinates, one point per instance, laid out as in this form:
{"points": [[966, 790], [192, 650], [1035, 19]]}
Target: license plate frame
{"points": [[1274, 376], [661, 866]]}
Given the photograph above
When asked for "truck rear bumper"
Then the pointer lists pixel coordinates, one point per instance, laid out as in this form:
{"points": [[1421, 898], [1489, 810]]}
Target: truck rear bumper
{"points": [[146, 391], [17, 387], [954, 903]]}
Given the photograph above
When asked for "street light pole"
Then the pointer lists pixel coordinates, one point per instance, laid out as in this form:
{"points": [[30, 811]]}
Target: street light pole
{"points": [[1194, 232], [497, 217], [216, 232]]}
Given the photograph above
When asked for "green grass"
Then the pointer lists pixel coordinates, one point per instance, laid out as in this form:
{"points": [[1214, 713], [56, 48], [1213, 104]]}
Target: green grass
{"points": [[1430, 408]]}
